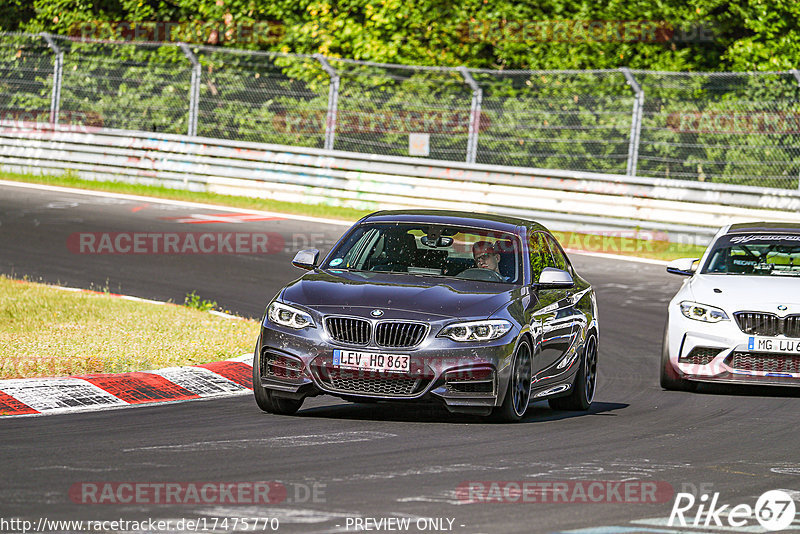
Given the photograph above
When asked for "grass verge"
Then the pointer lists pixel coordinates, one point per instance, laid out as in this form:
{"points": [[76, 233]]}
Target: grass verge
{"points": [[621, 243], [46, 331]]}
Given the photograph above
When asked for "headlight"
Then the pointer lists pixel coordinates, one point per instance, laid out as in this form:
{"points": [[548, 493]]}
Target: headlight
{"points": [[476, 330], [288, 316], [702, 312]]}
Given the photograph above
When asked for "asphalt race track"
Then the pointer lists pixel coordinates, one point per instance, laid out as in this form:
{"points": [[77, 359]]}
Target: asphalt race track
{"points": [[342, 463]]}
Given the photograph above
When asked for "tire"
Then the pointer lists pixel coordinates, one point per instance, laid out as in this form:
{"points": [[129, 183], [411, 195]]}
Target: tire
{"points": [[266, 399], [585, 384], [670, 379], [518, 394]]}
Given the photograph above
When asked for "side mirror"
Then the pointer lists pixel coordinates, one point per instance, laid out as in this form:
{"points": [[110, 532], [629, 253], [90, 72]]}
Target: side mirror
{"points": [[552, 278], [683, 266], [306, 259]]}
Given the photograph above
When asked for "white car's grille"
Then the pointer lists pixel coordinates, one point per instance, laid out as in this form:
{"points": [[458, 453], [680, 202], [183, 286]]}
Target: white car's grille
{"points": [[768, 324], [700, 355], [767, 362]]}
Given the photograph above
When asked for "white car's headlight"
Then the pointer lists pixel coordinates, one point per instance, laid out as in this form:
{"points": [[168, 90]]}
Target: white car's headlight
{"points": [[476, 330], [289, 316], [703, 312]]}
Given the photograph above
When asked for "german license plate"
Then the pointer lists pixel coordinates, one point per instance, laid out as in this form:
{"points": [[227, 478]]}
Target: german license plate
{"points": [[371, 361], [773, 344]]}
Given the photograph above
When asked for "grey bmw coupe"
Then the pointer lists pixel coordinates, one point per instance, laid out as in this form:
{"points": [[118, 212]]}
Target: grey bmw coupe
{"points": [[482, 313]]}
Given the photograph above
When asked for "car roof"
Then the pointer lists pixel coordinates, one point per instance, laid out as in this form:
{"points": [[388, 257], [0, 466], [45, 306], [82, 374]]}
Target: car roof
{"points": [[771, 227], [467, 218]]}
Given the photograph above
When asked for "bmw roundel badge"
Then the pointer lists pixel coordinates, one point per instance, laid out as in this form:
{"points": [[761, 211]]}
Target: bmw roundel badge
{"points": [[376, 313]]}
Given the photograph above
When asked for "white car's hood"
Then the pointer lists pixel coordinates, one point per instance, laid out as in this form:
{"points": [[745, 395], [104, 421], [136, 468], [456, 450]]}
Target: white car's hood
{"points": [[747, 293]]}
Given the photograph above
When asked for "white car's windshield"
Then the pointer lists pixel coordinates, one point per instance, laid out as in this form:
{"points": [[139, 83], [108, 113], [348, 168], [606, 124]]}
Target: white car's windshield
{"points": [[756, 255], [430, 250]]}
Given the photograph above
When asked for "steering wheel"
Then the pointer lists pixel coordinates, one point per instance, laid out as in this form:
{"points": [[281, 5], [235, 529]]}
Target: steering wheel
{"points": [[480, 274]]}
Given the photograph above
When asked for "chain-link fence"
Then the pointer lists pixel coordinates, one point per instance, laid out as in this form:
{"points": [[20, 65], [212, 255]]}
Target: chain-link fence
{"points": [[737, 128]]}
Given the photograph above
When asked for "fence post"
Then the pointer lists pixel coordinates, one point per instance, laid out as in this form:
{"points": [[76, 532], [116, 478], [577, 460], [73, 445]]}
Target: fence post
{"points": [[333, 101], [194, 90], [474, 114], [636, 121], [796, 74], [55, 97]]}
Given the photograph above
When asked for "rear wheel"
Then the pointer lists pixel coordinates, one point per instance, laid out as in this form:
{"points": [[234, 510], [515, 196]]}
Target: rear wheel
{"points": [[585, 383], [518, 394], [266, 399], [670, 379]]}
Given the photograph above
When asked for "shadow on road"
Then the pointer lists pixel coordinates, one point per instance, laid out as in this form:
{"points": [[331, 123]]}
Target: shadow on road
{"points": [[745, 390], [433, 413]]}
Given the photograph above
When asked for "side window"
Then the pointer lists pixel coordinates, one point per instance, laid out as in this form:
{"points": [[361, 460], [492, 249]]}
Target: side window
{"points": [[539, 255], [559, 261]]}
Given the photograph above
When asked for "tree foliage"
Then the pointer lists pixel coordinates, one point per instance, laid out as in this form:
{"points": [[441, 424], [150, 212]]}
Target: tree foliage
{"points": [[706, 35]]}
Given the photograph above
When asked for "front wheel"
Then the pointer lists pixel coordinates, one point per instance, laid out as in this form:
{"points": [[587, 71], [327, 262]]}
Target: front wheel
{"points": [[518, 394], [266, 399], [585, 382]]}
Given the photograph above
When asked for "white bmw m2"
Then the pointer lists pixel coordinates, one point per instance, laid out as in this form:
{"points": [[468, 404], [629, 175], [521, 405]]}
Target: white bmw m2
{"points": [[736, 319]]}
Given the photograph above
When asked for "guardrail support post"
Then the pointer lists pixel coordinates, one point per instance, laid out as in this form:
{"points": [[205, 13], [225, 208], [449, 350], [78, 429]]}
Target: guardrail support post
{"points": [[333, 101], [474, 114], [636, 121], [194, 89], [55, 98]]}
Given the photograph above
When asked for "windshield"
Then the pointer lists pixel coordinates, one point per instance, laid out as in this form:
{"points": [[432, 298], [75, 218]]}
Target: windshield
{"points": [[756, 254], [430, 250]]}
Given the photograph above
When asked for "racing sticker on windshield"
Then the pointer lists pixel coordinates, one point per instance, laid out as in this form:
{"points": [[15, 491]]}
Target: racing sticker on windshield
{"points": [[739, 239]]}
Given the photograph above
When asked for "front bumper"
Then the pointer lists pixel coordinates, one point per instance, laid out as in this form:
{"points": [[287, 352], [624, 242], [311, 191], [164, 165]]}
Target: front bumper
{"points": [[466, 377], [721, 352]]}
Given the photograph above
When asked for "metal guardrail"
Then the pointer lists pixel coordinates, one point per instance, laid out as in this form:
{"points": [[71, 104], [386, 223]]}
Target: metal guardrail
{"points": [[565, 200]]}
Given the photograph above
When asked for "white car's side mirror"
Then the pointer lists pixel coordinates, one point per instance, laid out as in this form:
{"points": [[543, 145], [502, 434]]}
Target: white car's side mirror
{"points": [[683, 266]]}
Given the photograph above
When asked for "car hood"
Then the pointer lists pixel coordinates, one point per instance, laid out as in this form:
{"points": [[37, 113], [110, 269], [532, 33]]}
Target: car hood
{"points": [[747, 293], [445, 297]]}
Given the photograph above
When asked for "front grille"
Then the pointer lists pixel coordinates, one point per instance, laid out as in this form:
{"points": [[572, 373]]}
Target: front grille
{"points": [[377, 383], [768, 324], [390, 334], [757, 324], [385, 386], [791, 326], [397, 334], [471, 387], [279, 366], [349, 330], [473, 380], [768, 362], [700, 355]]}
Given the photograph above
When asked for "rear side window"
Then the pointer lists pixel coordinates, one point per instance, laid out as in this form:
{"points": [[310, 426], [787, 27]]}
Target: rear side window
{"points": [[559, 260], [538, 254]]}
